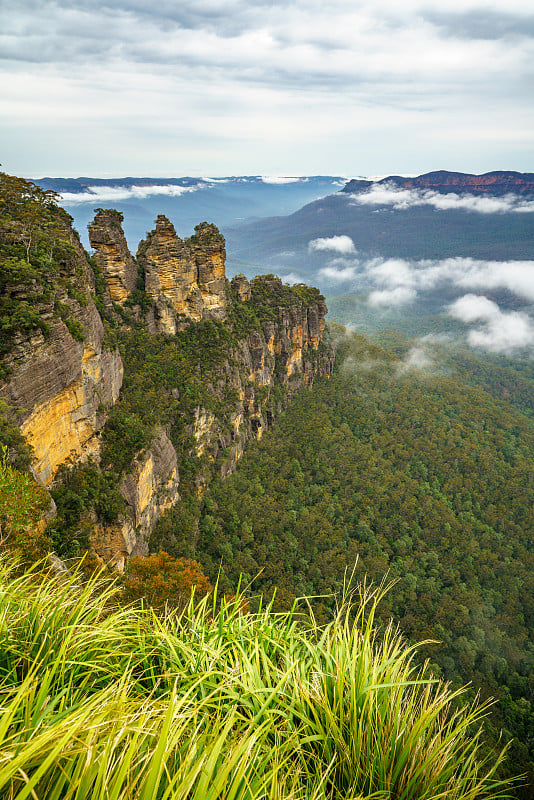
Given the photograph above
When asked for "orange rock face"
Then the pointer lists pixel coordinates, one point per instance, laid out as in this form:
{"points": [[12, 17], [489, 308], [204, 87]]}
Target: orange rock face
{"points": [[184, 278], [112, 254]]}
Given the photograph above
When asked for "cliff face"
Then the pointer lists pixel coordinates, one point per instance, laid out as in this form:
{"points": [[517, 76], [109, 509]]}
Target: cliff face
{"points": [[112, 254], [229, 377], [285, 351], [61, 387], [251, 377], [184, 279], [495, 183], [150, 489]]}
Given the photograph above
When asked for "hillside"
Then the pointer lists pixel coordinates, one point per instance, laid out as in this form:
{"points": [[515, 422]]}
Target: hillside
{"points": [[202, 365], [165, 408], [401, 471]]}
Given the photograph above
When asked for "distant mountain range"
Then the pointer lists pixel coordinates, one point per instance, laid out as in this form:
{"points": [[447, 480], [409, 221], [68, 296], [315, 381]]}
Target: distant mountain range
{"points": [[394, 252], [495, 183], [187, 200]]}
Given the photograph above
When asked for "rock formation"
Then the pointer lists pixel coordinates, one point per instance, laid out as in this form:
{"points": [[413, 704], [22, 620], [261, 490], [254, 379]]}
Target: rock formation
{"points": [[60, 388], [242, 286], [184, 279], [112, 254], [149, 489], [63, 378], [288, 350]]}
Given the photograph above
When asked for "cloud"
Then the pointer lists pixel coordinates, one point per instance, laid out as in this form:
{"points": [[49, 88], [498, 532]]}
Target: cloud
{"points": [[402, 199], [279, 179], [340, 271], [501, 331], [426, 275], [417, 358], [277, 86], [292, 277], [472, 307], [340, 244], [399, 296], [104, 194]]}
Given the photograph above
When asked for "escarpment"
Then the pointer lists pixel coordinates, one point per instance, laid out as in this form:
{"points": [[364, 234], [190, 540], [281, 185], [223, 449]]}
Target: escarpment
{"points": [[494, 183], [61, 377], [152, 373]]}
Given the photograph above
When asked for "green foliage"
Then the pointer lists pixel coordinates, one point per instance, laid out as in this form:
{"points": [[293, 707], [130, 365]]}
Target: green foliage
{"points": [[12, 442], [218, 703], [269, 295], [420, 476], [83, 493], [23, 503], [36, 253]]}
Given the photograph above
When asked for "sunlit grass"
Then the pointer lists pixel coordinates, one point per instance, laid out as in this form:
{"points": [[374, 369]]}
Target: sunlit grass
{"points": [[114, 704]]}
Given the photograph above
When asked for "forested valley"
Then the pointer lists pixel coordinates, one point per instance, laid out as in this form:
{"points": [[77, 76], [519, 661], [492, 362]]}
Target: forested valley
{"points": [[384, 472]]}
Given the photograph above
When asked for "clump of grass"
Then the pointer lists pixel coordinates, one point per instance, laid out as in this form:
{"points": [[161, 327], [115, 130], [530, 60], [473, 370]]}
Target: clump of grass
{"points": [[117, 703]]}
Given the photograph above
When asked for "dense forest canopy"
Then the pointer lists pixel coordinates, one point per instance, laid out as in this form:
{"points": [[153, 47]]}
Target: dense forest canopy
{"points": [[388, 470]]}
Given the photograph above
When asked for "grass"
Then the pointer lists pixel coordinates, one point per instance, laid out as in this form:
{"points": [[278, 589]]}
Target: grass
{"points": [[117, 703]]}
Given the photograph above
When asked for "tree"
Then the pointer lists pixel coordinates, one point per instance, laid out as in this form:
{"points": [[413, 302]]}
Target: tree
{"points": [[164, 582]]}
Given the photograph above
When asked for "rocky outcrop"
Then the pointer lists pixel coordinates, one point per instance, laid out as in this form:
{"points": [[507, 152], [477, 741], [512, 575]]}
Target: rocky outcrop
{"points": [[185, 279], [63, 378], [149, 490], [494, 183], [289, 351], [255, 379], [112, 255], [60, 387], [242, 287]]}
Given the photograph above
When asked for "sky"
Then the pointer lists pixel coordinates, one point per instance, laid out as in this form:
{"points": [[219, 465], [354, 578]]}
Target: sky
{"points": [[272, 87]]}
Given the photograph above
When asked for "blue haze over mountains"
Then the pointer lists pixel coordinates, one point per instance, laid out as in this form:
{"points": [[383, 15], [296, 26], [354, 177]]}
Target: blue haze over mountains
{"points": [[444, 254]]}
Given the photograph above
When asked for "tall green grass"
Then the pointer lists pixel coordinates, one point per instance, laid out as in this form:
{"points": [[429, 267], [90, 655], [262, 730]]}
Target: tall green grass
{"points": [[114, 704]]}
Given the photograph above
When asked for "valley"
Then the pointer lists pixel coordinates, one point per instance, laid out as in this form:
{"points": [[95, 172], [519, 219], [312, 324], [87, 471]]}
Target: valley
{"points": [[163, 407]]}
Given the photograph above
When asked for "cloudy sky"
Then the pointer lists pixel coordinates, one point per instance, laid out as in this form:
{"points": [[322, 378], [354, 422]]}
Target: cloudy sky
{"points": [[218, 87]]}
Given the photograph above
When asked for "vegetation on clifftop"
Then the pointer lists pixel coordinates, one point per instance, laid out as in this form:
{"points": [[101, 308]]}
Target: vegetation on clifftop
{"points": [[35, 253]]}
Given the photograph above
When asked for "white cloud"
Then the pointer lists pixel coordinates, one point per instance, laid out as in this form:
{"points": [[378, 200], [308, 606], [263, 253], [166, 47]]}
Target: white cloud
{"points": [[340, 244], [501, 332], [399, 296], [105, 194], [292, 277], [417, 358], [473, 307], [401, 199], [279, 179], [340, 274], [229, 86]]}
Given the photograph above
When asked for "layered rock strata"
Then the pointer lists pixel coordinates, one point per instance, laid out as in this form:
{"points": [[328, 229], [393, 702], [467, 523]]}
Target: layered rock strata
{"points": [[288, 351], [112, 254], [150, 489], [60, 388], [185, 279], [63, 382], [492, 183]]}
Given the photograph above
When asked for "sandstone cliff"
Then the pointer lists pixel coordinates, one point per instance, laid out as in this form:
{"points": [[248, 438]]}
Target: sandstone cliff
{"points": [[62, 379], [284, 352], [112, 254], [243, 386], [194, 397], [184, 279], [495, 183], [150, 489]]}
